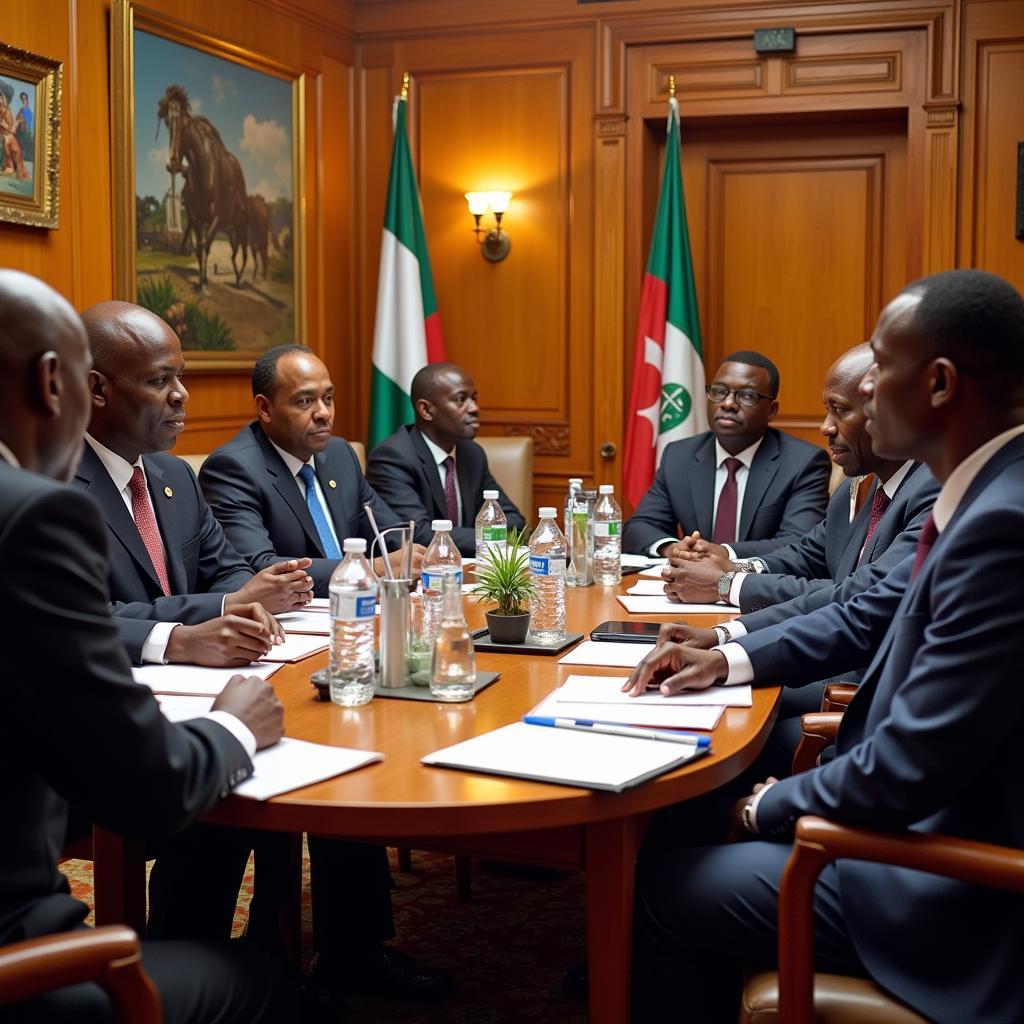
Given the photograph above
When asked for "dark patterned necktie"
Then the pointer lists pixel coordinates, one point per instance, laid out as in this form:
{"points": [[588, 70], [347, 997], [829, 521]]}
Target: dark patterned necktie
{"points": [[451, 501], [725, 516], [929, 532], [145, 521], [879, 503]]}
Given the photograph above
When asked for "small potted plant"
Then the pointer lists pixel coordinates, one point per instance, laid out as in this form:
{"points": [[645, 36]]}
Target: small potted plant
{"points": [[504, 579]]}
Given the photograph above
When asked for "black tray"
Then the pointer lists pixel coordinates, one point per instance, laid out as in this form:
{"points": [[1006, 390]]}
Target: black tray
{"points": [[482, 643], [483, 680]]}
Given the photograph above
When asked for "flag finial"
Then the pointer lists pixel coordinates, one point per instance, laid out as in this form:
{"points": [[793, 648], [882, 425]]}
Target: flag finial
{"points": [[671, 87], [405, 85]]}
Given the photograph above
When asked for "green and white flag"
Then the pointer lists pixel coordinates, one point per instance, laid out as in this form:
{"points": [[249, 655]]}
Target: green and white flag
{"points": [[407, 332]]}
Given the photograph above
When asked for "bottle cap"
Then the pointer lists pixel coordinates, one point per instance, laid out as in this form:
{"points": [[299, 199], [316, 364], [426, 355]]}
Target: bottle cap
{"points": [[546, 512], [354, 544], [441, 524], [575, 479], [606, 489], [490, 495]]}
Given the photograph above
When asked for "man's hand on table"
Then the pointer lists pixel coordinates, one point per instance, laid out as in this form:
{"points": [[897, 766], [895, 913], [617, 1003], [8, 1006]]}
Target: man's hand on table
{"points": [[693, 548], [692, 582], [674, 667], [283, 587], [690, 636], [253, 702], [227, 641]]}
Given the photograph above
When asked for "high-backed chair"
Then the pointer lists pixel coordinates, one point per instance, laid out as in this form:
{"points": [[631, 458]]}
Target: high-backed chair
{"points": [[360, 449], [195, 461], [111, 957], [511, 462]]}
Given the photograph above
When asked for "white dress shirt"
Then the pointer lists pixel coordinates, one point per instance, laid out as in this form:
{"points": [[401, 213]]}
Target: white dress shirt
{"points": [[294, 466], [439, 456]]}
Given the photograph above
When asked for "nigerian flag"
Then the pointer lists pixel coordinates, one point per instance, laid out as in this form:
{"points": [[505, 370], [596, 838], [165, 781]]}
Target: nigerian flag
{"points": [[666, 400], [407, 332]]}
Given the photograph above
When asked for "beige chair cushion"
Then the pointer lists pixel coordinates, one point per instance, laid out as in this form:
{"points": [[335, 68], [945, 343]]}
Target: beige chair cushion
{"points": [[835, 479], [195, 461], [837, 1000], [511, 462], [360, 449]]}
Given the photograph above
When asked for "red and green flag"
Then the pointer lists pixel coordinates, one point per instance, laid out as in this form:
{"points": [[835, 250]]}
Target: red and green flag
{"points": [[666, 400], [407, 332]]}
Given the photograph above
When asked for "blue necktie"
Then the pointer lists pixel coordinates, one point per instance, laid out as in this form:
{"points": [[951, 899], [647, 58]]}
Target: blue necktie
{"points": [[316, 510]]}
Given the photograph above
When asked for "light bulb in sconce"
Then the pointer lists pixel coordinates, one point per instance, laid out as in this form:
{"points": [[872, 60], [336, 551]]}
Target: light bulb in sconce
{"points": [[495, 244]]}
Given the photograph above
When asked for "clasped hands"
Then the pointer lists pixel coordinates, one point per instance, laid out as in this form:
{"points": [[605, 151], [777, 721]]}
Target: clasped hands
{"points": [[694, 568]]}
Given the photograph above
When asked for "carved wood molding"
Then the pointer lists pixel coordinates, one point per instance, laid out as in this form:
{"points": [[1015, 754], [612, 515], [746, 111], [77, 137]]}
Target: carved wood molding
{"points": [[610, 126], [548, 438]]}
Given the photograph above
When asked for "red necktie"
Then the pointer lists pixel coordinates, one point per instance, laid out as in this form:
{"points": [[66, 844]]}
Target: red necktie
{"points": [[879, 503], [725, 516], [924, 544], [451, 502], [148, 530]]}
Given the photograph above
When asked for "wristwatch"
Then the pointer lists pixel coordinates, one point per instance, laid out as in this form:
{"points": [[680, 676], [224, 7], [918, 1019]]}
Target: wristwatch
{"points": [[747, 816], [725, 585], [745, 565], [723, 634]]}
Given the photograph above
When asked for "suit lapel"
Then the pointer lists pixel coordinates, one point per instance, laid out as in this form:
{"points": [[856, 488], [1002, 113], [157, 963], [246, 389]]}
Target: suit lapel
{"points": [[290, 490], [850, 557], [431, 472], [703, 489], [762, 472], [170, 527], [119, 520], [468, 478]]}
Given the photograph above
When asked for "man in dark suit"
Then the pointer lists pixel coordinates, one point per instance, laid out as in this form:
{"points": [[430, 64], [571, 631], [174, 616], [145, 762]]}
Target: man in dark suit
{"points": [[433, 469], [741, 484], [284, 487], [76, 727], [181, 592], [930, 743]]}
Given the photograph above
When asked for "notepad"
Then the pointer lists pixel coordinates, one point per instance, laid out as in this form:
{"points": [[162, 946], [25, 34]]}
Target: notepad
{"points": [[647, 588], [181, 709], [606, 652], [635, 561], [194, 679], [315, 623], [668, 716], [293, 764], [655, 570], [295, 648], [641, 605], [606, 690], [564, 756]]}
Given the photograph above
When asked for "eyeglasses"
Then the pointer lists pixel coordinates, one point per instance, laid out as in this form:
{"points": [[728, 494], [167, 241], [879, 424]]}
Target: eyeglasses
{"points": [[718, 393]]}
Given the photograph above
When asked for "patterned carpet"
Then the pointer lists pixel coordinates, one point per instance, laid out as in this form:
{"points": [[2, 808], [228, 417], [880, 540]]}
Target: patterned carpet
{"points": [[507, 948]]}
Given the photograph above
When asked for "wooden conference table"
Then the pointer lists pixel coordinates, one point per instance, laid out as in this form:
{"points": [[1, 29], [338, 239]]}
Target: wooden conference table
{"points": [[399, 801]]}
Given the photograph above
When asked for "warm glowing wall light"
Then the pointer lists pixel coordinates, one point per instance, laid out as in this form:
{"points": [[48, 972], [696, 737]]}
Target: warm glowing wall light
{"points": [[495, 243]]}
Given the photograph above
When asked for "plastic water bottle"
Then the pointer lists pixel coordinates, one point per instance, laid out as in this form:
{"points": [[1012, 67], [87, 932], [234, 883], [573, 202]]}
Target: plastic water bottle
{"points": [[491, 527], [547, 566], [607, 538], [453, 668], [353, 592], [575, 486], [441, 559]]}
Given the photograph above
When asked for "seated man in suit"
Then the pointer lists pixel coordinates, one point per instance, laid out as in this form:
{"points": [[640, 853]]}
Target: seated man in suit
{"points": [[75, 726], [929, 744], [433, 469], [742, 483], [284, 487], [181, 592]]}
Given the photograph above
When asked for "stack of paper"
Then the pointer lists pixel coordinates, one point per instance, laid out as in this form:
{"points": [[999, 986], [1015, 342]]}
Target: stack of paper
{"points": [[606, 652], [607, 691], [181, 709], [193, 679], [668, 716], [653, 605], [647, 588], [296, 647], [315, 623], [637, 561], [292, 764]]}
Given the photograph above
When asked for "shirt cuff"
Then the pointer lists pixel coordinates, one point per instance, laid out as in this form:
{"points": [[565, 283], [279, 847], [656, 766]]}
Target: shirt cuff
{"points": [[753, 805], [734, 629], [758, 564], [735, 587], [223, 601], [237, 728], [730, 552], [740, 668], [154, 650], [653, 549]]}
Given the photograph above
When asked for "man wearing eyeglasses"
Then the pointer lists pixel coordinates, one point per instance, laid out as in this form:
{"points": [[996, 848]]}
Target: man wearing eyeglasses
{"points": [[741, 484]]}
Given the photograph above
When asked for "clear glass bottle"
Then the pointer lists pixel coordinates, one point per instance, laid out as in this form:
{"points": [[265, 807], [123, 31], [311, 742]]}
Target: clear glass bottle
{"points": [[579, 543], [547, 566], [607, 538], [491, 527], [353, 591], [575, 486], [453, 669], [441, 559]]}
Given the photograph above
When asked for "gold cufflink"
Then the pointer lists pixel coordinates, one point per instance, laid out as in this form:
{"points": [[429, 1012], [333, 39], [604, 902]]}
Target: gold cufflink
{"points": [[168, 492], [331, 483]]}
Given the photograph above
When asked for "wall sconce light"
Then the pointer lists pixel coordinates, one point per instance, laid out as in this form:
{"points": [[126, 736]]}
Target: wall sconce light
{"points": [[495, 244]]}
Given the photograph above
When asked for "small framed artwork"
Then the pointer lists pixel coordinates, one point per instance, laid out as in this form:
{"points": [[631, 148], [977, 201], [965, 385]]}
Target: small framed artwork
{"points": [[29, 138], [208, 189]]}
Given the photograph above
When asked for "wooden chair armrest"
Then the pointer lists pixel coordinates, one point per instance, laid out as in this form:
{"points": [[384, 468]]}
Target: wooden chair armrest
{"points": [[819, 732], [110, 956], [837, 696], [819, 842]]}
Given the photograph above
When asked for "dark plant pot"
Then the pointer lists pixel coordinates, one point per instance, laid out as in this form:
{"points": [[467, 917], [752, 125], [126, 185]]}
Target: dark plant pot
{"points": [[507, 629]]}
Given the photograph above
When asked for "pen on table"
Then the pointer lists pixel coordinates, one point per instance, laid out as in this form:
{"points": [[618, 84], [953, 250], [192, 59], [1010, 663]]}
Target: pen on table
{"points": [[613, 729]]}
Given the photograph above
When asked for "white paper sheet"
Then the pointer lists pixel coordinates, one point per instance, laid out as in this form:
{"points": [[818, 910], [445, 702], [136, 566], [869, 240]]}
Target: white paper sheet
{"points": [[193, 679], [295, 648], [292, 764], [633, 561], [663, 606], [654, 571], [675, 716], [608, 690], [648, 588], [181, 709], [606, 652], [314, 623]]}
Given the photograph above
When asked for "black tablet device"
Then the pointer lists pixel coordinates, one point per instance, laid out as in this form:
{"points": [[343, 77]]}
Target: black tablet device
{"points": [[630, 632]]}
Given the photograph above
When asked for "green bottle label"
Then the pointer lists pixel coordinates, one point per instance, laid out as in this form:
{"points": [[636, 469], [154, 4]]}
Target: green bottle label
{"points": [[492, 534]]}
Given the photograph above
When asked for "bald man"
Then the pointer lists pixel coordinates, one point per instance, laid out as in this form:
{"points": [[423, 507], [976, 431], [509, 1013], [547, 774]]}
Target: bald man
{"points": [[432, 468], [75, 727]]}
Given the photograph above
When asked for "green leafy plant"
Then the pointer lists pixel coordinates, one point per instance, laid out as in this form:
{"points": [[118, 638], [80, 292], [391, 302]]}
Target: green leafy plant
{"points": [[207, 330], [157, 294], [505, 578]]}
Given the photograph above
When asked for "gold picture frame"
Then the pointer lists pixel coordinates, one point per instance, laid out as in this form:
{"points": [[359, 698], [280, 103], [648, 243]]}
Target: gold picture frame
{"points": [[30, 96], [224, 113]]}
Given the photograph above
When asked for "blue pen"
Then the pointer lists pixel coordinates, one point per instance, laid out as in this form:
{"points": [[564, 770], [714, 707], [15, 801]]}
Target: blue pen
{"points": [[614, 729]]}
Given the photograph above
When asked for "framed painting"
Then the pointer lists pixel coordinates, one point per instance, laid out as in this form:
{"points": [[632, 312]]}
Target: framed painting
{"points": [[208, 185], [29, 138]]}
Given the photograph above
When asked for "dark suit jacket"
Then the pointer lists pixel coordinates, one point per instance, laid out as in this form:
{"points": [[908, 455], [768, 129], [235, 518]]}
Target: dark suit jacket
{"points": [[201, 565], [823, 566], [931, 743], [75, 728], [403, 472], [263, 510], [785, 496]]}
